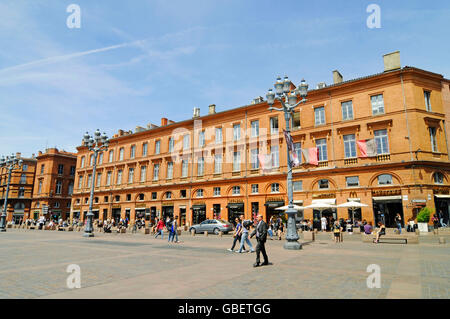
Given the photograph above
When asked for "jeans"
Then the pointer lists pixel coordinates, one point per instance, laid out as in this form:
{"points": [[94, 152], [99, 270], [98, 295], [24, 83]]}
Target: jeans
{"points": [[160, 232], [172, 235], [243, 240], [270, 232], [235, 240], [399, 227]]}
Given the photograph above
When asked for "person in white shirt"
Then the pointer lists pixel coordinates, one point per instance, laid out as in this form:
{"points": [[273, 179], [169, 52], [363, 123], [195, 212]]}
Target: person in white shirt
{"points": [[323, 221]]}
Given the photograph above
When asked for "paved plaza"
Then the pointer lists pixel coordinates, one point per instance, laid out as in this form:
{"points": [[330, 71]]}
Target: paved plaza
{"points": [[33, 265]]}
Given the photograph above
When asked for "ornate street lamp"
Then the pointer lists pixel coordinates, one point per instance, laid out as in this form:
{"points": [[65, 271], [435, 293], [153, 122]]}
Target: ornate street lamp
{"points": [[10, 163], [288, 102], [97, 144]]}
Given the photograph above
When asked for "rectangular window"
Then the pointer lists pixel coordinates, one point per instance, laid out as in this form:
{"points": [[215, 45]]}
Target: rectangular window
{"points": [[255, 128], [21, 192], [23, 179], [100, 158], [254, 158], [184, 168], [298, 151], [108, 178], [171, 144], [60, 169], [130, 175], [133, 151], [158, 147], [144, 149], [275, 188], [70, 190], [274, 125], [201, 139], [352, 181], [200, 166], [319, 115], [377, 104], [427, 96], [347, 110], [200, 193], [236, 161], [236, 190], [217, 163], [40, 186], [297, 186], [186, 142], [121, 151], [43, 166], [89, 181], [81, 165], [154, 195], [218, 135], [80, 181], [99, 179], [216, 191], [24, 167], [381, 139], [119, 177], [170, 170], [72, 170], [322, 149], [91, 160], [58, 187], [350, 146], [143, 173], [296, 121], [275, 156], [433, 140], [236, 132], [255, 188], [156, 172], [111, 156]]}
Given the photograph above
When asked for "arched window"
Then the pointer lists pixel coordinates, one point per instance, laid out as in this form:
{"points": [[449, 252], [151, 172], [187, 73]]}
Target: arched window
{"points": [[19, 206], [199, 192], [438, 178], [324, 184], [275, 188], [236, 190], [385, 179], [141, 196], [168, 195]]}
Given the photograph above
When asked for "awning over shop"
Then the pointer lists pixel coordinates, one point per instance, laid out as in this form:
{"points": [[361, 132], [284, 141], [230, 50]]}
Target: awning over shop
{"points": [[442, 196], [198, 206], [235, 205], [387, 198], [274, 204], [329, 201]]}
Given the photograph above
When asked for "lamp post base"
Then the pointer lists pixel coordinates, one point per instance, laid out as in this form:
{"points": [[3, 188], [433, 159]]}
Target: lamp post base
{"points": [[88, 235], [292, 245]]}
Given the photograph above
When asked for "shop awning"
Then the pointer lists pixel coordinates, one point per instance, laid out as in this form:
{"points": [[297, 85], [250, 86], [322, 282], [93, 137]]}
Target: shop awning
{"points": [[386, 198], [329, 201], [235, 205], [442, 196], [274, 204]]}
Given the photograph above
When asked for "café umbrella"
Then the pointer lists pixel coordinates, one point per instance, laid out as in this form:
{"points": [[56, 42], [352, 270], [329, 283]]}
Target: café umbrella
{"points": [[352, 206]]}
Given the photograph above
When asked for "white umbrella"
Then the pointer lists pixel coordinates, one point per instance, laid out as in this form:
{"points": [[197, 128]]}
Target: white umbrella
{"points": [[353, 206], [287, 206], [321, 207]]}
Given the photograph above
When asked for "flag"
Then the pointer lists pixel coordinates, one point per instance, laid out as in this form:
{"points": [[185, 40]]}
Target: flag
{"points": [[265, 161], [367, 148], [310, 155], [290, 145]]}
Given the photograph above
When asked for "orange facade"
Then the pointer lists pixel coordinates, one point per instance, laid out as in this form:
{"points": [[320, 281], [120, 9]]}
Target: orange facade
{"points": [[205, 167], [20, 190], [54, 183]]}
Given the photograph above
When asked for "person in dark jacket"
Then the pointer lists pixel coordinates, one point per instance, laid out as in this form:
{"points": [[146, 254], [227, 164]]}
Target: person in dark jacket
{"points": [[261, 236]]}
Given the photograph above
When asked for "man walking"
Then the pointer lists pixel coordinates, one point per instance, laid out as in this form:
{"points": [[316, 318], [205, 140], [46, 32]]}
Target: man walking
{"points": [[261, 236]]}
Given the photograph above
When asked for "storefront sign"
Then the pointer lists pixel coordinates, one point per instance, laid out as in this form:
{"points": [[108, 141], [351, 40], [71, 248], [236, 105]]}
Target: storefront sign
{"points": [[441, 190], [236, 201], [405, 197], [415, 201], [392, 192], [167, 204], [320, 196], [116, 206], [275, 199], [198, 204], [140, 206]]}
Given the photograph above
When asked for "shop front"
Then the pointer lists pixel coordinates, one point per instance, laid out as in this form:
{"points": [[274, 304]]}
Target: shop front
{"points": [[198, 213], [167, 210], [75, 215], [271, 205], [18, 214], [216, 211], [442, 202], [116, 211], [56, 215], [182, 215], [385, 208], [139, 212], [329, 213], [235, 210]]}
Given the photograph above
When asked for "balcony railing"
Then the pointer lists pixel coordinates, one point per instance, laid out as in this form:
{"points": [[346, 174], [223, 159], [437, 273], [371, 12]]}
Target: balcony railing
{"points": [[323, 164], [384, 158], [350, 161]]}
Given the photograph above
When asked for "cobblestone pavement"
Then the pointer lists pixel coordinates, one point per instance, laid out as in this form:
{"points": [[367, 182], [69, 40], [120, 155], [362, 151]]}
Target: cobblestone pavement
{"points": [[34, 265]]}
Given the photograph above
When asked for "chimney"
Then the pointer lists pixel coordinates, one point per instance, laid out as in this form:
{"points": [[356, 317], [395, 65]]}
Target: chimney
{"points": [[212, 109], [196, 112], [392, 61], [163, 121], [337, 77], [18, 155], [120, 133]]}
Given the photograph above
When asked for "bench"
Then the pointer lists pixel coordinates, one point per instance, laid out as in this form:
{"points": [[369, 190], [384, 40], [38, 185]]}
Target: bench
{"points": [[407, 239]]}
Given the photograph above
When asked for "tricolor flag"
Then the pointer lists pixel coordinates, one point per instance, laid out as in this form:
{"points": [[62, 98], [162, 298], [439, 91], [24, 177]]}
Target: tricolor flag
{"points": [[367, 148], [310, 155], [295, 161], [265, 161]]}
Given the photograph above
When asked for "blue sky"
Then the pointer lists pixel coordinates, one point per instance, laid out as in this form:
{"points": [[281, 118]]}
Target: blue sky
{"points": [[133, 62]]}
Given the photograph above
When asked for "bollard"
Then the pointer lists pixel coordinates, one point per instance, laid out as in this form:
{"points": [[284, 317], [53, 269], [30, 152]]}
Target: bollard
{"points": [[205, 233], [441, 240], [193, 232], [220, 234]]}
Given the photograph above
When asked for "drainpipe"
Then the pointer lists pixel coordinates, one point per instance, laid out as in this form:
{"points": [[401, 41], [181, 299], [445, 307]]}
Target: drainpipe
{"points": [[332, 139], [446, 140]]}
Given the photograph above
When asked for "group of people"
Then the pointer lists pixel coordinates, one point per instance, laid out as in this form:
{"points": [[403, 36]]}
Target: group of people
{"points": [[171, 226], [276, 226], [242, 235]]}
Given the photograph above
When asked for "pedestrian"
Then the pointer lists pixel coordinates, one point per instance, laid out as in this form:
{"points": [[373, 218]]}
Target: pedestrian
{"points": [[175, 229], [398, 221], [435, 221], [237, 234], [245, 233], [337, 232], [169, 227], [368, 228], [323, 222], [381, 231], [261, 236], [159, 229], [269, 230], [280, 228]]}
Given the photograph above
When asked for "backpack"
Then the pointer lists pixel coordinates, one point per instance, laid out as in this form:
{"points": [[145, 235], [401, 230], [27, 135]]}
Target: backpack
{"points": [[247, 223]]}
